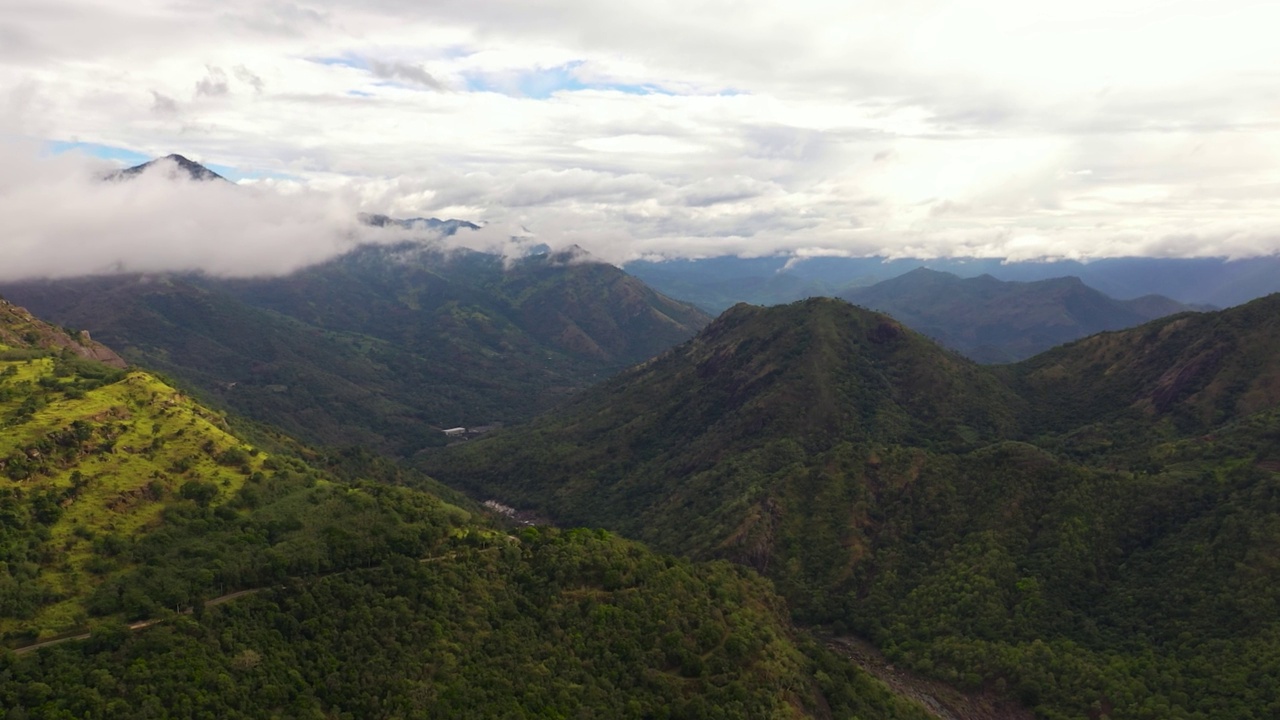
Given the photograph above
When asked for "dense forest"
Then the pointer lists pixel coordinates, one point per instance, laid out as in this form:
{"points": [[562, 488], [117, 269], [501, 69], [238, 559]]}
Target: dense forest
{"points": [[382, 347], [543, 624], [211, 579], [1092, 531]]}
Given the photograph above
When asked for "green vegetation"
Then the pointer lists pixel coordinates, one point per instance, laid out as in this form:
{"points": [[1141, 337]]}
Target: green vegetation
{"points": [[385, 346], [23, 336], [90, 456], [548, 624], [332, 585], [1093, 531]]}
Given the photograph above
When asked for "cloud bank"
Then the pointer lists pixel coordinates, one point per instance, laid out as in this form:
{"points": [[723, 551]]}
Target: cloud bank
{"points": [[923, 128], [63, 219]]}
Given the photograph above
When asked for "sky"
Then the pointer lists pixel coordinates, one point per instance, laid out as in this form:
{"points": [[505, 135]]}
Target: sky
{"points": [[1025, 130]]}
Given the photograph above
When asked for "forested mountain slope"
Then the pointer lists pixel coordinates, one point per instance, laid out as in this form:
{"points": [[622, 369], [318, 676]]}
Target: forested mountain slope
{"points": [[1194, 371], [382, 347], [944, 509], [262, 586]]}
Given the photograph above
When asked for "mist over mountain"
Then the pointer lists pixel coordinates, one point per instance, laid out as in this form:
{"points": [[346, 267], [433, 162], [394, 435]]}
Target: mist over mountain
{"points": [[649, 361], [173, 215]]}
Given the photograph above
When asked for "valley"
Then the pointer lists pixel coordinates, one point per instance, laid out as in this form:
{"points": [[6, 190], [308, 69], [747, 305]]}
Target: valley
{"points": [[132, 511], [502, 360], [384, 347], [1084, 532]]}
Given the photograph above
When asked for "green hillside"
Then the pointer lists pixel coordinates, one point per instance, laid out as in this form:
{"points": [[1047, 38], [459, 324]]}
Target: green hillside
{"points": [[543, 625], [382, 347], [987, 527], [213, 580], [91, 456], [653, 447], [21, 331], [1191, 373]]}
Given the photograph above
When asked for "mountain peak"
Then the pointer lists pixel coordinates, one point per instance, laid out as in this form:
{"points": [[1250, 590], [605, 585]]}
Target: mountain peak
{"points": [[179, 166]]}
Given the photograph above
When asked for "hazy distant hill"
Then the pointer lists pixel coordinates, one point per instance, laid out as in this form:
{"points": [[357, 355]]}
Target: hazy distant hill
{"points": [[1091, 528], [716, 283], [994, 321], [382, 345]]}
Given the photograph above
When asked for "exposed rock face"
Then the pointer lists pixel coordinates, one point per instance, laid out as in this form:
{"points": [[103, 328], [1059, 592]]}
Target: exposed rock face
{"points": [[21, 329]]}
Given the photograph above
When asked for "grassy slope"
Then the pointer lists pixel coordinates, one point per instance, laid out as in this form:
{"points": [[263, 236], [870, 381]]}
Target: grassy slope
{"points": [[139, 441]]}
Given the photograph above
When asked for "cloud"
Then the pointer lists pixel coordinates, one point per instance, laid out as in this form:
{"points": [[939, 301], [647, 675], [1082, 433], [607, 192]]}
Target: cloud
{"points": [[62, 220], [163, 104], [213, 84], [678, 128], [244, 75], [413, 74]]}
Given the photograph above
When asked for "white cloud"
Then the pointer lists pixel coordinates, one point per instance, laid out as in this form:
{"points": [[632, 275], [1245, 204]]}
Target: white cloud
{"points": [[63, 219], [919, 127]]}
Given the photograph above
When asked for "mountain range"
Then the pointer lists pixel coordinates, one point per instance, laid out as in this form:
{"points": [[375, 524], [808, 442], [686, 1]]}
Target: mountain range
{"points": [[719, 282], [1088, 529], [384, 346], [995, 321], [154, 564], [1090, 532]]}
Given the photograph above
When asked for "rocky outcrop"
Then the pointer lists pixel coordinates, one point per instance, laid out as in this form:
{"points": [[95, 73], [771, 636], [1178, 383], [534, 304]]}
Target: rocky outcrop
{"points": [[21, 329]]}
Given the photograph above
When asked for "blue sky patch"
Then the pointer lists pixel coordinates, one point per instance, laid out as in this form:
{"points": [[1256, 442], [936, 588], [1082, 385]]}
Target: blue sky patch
{"points": [[130, 158], [343, 61], [542, 83], [106, 152]]}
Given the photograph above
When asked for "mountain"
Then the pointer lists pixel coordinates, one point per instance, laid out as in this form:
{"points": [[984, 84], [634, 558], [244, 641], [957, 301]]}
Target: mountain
{"points": [[1055, 530], [693, 450], [20, 329], [174, 166], [993, 321], [718, 282], [155, 564], [1195, 372], [385, 346]]}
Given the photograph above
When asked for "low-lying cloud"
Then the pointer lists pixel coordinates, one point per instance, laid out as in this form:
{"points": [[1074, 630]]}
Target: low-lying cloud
{"points": [[62, 219], [65, 218]]}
